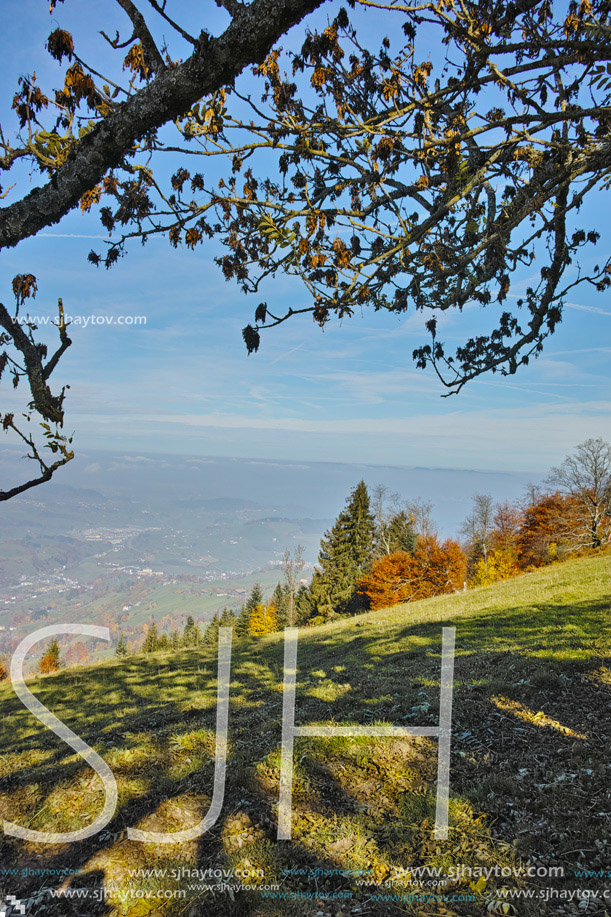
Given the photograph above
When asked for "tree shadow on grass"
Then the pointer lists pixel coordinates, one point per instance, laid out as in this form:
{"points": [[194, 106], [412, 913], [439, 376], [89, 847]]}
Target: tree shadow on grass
{"points": [[529, 712]]}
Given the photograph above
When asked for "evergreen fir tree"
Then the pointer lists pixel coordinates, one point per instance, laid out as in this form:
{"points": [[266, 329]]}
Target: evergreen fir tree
{"points": [[50, 661], [331, 582], [53, 651], [211, 634], [175, 640], [163, 643], [346, 554], [303, 606], [151, 641], [254, 600], [280, 600], [360, 529], [227, 618], [121, 647], [191, 635], [400, 534], [241, 627]]}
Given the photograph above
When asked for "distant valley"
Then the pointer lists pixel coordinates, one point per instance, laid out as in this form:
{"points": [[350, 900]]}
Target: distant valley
{"points": [[135, 537]]}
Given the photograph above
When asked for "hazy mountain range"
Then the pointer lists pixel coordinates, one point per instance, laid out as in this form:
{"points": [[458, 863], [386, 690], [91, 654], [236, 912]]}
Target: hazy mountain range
{"points": [[170, 485]]}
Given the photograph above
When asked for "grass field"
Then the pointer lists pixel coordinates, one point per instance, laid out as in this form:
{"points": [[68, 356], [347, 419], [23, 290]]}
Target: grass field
{"points": [[530, 767]]}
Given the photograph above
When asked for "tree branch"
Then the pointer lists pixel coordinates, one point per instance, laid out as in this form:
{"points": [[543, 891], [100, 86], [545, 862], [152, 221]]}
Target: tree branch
{"points": [[160, 9], [47, 471], [48, 405], [141, 31], [233, 7], [65, 342], [215, 63], [45, 476]]}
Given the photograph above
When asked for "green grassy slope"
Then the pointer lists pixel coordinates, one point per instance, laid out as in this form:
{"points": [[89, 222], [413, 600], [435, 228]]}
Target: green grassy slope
{"points": [[529, 774]]}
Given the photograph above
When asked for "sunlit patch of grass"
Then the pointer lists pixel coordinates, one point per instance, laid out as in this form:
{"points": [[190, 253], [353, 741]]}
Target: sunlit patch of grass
{"points": [[193, 742], [538, 717], [248, 852], [190, 752], [600, 676], [131, 787], [346, 839], [18, 760], [140, 756], [176, 813], [71, 805], [328, 690]]}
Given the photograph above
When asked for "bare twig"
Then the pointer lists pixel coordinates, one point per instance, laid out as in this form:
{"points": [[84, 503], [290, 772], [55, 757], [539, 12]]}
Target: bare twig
{"points": [[153, 55], [160, 8], [46, 471]]}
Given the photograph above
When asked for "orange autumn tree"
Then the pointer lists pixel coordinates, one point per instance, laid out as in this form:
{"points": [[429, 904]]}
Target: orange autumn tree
{"points": [[433, 569], [50, 661], [550, 530]]}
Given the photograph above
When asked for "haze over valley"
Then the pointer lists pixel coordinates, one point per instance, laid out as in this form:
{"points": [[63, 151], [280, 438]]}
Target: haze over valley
{"points": [[132, 537]]}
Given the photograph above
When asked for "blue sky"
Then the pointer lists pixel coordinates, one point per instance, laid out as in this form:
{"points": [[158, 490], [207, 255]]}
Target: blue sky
{"points": [[183, 383]]}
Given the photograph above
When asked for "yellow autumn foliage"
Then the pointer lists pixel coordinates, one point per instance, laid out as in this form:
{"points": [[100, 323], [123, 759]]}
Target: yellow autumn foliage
{"points": [[263, 620], [501, 565]]}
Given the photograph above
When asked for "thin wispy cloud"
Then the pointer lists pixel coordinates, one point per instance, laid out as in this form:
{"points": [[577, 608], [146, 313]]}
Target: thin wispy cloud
{"points": [[284, 356], [581, 308], [68, 235]]}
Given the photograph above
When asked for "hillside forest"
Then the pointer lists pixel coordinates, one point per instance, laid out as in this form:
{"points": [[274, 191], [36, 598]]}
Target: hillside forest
{"points": [[383, 551]]}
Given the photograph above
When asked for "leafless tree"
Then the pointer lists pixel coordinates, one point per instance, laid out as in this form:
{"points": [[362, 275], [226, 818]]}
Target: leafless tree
{"points": [[385, 504], [478, 526], [586, 476], [533, 494], [292, 565], [397, 521], [420, 512]]}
